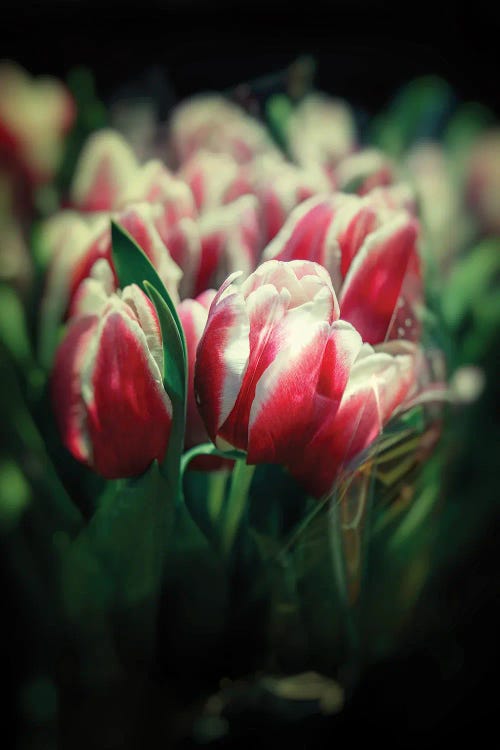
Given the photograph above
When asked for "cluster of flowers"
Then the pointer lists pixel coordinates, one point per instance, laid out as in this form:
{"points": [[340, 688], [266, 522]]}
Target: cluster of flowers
{"points": [[310, 344]]}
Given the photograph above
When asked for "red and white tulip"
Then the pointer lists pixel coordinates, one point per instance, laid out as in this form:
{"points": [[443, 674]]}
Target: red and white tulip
{"points": [[107, 384], [320, 132], [379, 384], [216, 124], [273, 359], [79, 242], [371, 254], [35, 114], [106, 163]]}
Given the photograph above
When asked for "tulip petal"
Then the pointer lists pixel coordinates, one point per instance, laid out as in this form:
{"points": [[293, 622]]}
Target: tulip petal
{"points": [[265, 308], [300, 389], [105, 164], [222, 356], [378, 383], [129, 414], [65, 387], [373, 283], [303, 235]]}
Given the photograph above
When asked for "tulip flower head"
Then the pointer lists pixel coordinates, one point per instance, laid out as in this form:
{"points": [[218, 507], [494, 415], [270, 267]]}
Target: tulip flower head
{"points": [[279, 376], [272, 351], [35, 114], [370, 251], [107, 384]]}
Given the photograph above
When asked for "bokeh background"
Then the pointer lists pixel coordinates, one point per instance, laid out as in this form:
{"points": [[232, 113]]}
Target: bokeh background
{"points": [[440, 686]]}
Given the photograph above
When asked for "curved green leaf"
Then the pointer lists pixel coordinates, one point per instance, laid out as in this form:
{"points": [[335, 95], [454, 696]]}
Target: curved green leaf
{"points": [[133, 267]]}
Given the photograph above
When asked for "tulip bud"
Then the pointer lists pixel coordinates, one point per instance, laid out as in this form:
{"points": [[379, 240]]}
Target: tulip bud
{"points": [[216, 124], [107, 387], [154, 183], [35, 113], [483, 181], [214, 179], [230, 240], [440, 200], [321, 131], [378, 384], [363, 171], [280, 186], [79, 242], [105, 165], [273, 360], [371, 254]]}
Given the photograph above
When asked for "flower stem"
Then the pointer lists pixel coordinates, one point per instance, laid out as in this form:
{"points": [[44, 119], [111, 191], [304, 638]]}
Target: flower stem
{"points": [[236, 503], [217, 481]]}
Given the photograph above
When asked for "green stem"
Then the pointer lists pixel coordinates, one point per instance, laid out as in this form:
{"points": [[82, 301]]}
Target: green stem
{"points": [[236, 503], [217, 481]]}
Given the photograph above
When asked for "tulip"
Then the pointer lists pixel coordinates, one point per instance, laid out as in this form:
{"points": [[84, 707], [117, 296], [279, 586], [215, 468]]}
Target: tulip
{"points": [[154, 183], [230, 240], [79, 242], [363, 171], [273, 360], [280, 186], [320, 132], [107, 388], [440, 200], [106, 163], [35, 113], [483, 181], [371, 254], [216, 124], [214, 179], [379, 384]]}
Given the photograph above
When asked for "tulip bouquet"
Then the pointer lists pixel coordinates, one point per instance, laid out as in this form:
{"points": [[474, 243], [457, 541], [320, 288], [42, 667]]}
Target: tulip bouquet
{"points": [[228, 409]]}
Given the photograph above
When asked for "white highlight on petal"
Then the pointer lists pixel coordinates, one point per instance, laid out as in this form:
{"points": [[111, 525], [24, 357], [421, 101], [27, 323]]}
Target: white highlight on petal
{"points": [[146, 315]]}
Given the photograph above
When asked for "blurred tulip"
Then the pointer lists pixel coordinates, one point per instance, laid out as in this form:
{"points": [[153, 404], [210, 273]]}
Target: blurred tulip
{"points": [[230, 240], [35, 113], [483, 181], [106, 164], [371, 254], [107, 387], [214, 178], [320, 132], [213, 123], [440, 200], [365, 170], [273, 360], [279, 187]]}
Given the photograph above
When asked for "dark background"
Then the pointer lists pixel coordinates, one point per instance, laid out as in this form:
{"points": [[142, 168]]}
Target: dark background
{"points": [[365, 50], [442, 686]]}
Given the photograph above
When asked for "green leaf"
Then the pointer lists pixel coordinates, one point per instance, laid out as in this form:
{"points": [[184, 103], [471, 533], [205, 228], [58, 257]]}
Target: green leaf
{"points": [[133, 267], [20, 432], [113, 570], [467, 123], [130, 530], [174, 363], [471, 280], [417, 112], [278, 111]]}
